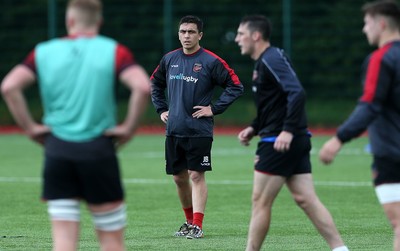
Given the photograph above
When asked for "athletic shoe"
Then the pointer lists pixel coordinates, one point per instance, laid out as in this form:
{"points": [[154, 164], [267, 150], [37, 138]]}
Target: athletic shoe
{"points": [[195, 233], [183, 230]]}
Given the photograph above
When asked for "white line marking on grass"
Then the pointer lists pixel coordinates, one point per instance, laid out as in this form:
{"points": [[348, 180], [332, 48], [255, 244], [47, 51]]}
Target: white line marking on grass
{"points": [[346, 151], [144, 155], [233, 152], [343, 183], [161, 154], [146, 181], [213, 182], [20, 179]]}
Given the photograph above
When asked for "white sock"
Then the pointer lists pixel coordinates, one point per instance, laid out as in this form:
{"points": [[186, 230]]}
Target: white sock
{"points": [[342, 248]]}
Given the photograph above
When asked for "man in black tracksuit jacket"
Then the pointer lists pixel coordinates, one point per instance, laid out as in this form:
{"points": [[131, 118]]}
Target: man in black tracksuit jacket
{"points": [[283, 152], [378, 109], [190, 81], [189, 75]]}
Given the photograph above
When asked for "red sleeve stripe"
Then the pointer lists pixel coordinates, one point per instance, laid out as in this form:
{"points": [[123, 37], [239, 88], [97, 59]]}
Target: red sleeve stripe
{"points": [[152, 75], [233, 75], [158, 66], [371, 80], [123, 59], [30, 61]]}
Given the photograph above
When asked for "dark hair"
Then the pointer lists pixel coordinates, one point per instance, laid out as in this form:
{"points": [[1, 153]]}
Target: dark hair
{"points": [[192, 20], [258, 23], [387, 8]]}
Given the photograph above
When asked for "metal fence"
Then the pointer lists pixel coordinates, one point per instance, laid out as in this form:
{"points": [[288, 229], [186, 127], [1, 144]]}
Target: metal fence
{"points": [[323, 38]]}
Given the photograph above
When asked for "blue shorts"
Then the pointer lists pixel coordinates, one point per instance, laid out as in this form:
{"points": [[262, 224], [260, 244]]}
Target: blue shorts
{"points": [[187, 154], [295, 161], [87, 171]]}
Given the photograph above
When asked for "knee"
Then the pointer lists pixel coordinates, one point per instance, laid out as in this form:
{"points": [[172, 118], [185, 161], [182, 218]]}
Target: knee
{"points": [[196, 177], [392, 214], [255, 197], [395, 225], [396, 229], [261, 202], [302, 201], [181, 180]]}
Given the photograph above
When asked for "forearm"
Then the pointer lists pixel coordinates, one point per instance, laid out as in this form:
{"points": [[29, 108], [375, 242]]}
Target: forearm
{"points": [[137, 105], [229, 95], [358, 121], [19, 110], [12, 88], [158, 99], [254, 124]]}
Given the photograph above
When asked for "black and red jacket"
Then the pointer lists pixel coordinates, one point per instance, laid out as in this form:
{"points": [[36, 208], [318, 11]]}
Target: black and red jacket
{"points": [[378, 109], [278, 94], [190, 81]]}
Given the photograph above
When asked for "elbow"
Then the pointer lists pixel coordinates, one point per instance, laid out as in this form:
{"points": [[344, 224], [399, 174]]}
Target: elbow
{"points": [[9, 89], [145, 90], [16, 81], [5, 89], [241, 89], [143, 87]]}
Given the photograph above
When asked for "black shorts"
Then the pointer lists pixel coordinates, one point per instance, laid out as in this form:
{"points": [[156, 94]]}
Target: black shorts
{"points": [[88, 171], [385, 171], [294, 161], [187, 153]]}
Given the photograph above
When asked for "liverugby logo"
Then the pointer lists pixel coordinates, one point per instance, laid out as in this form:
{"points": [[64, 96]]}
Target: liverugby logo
{"points": [[197, 67], [180, 76]]}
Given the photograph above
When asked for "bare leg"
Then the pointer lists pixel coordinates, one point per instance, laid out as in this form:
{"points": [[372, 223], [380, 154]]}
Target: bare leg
{"points": [[65, 235], [392, 211], [184, 188], [199, 192], [265, 190], [303, 192], [109, 240]]}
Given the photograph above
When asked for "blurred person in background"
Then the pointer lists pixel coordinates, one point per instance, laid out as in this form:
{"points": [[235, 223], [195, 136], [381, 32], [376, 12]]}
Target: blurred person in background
{"points": [[189, 76], [76, 77], [283, 153], [378, 109]]}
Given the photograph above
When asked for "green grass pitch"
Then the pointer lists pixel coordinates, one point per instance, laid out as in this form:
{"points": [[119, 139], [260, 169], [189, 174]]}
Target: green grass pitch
{"points": [[154, 212]]}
